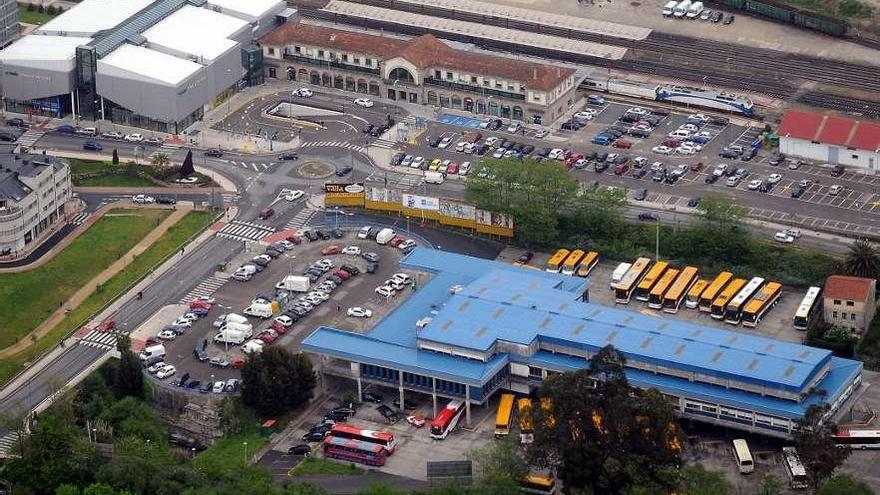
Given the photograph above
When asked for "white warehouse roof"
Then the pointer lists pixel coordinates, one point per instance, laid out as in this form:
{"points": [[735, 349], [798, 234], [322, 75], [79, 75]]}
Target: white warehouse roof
{"points": [[44, 52], [148, 64], [196, 31], [249, 9], [91, 16]]}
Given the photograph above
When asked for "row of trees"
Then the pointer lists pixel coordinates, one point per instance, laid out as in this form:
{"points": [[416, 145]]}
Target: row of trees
{"points": [[551, 208]]}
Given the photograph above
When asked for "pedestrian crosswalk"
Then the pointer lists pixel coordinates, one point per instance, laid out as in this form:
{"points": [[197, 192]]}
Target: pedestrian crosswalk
{"points": [[383, 143], [300, 219], [255, 166], [30, 136], [7, 444], [333, 144], [80, 218], [206, 288], [245, 231], [101, 340]]}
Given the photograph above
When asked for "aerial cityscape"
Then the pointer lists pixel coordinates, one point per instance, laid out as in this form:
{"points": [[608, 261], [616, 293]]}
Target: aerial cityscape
{"points": [[437, 247]]}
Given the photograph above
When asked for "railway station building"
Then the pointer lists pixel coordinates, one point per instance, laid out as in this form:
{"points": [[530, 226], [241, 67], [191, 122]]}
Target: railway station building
{"points": [[155, 64], [485, 326], [421, 70], [831, 139]]}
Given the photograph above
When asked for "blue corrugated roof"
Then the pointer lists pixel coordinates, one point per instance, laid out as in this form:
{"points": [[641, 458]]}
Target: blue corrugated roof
{"points": [[519, 307]]}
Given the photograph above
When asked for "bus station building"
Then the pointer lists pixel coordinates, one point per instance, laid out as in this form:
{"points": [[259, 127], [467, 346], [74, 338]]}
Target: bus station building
{"points": [[493, 326]]}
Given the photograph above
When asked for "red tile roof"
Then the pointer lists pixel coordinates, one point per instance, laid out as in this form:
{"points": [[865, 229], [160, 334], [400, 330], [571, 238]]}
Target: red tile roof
{"points": [[423, 52], [848, 288], [830, 129]]}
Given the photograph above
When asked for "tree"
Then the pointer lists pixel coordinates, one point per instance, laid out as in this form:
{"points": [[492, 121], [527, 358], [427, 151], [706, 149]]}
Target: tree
{"points": [[770, 485], [131, 417], [501, 464], [276, 381], [603, 436], [815, 445], [51, 10], [128, 379], [30, 7], [41, 9], [115, 159], [696, 480], [862, 260], [843, 484], [139, 466], [67, 489], [186, 168]]}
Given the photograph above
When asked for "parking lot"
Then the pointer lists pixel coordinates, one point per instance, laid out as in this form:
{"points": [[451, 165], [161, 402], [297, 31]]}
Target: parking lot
{"points": [[234, 296]]}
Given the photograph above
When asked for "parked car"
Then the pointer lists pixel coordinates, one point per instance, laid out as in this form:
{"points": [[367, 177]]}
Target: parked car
{"points": [[303, 450], [371, 397], [266, 213], [92, 146]]}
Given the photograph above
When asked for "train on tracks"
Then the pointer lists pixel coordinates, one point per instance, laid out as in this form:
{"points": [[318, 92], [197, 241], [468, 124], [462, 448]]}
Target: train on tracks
{"points": [[789, 15], [674, 93]]}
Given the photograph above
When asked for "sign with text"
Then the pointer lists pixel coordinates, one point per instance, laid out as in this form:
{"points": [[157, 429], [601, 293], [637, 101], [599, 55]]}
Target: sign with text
{"points": [[421, 202]]}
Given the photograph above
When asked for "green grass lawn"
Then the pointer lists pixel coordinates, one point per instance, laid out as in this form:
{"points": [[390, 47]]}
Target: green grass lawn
{"points": [[228, 454], [111, 175], [56, 280], [313, 465], [32, 17], [114, 180]]}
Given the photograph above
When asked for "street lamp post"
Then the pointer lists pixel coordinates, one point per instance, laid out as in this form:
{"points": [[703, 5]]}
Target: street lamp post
{"points": [[657, 241], [245, 453]]}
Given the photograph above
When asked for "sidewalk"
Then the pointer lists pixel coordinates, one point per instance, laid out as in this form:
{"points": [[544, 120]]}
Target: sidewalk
{"points": [[86, 290]]}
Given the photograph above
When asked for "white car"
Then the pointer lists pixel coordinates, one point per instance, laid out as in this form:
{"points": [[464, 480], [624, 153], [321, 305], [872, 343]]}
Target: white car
{"points": [[583, 116], [359, 312], [610, 158], [444, 143], [294, 195], [663, 150], [355, 250], [302, 93], [385, 291], [167, 335], [469, 148], [416, 421], [283, 320], [166, 372], [555, 153], [402, 277], [755, 184], [113, 135], [182, 322], [143, 199], [796, 233], [219, 387], [253, 345], [187, 180], [499, 153], [461, 146], [685, 150], [514, 127], [491, 141], [317, 294], [156, 367], [541, 133], [835, 189], [464, 168], [444, 166], [418, 162], [364, 232], [134, 137], [409, 243], [720, 169], [638, 111], [774, 178], [689, 127], [783, 237], [699, 116], [364, 102]]}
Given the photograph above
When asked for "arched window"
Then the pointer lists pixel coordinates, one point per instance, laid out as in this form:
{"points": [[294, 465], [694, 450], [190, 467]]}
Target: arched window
{"points": [[402, 75]]}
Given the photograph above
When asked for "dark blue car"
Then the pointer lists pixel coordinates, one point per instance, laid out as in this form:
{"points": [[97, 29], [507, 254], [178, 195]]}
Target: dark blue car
{"points": [[65, 129], [92, 146]]}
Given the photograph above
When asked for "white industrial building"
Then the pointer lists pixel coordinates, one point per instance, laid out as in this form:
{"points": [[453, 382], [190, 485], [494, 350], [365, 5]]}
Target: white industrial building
{"points": [[156, 64], [830, 139]]}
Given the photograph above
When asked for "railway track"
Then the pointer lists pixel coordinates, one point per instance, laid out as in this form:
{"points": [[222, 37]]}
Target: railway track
{"points": [[770, 72]]}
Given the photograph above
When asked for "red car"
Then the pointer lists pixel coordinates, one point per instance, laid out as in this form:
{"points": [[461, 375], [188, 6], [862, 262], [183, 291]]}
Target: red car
{"points": [[267, 338], [200, 304], [452, 169], [330, 250], [237, 362], [266, 213], [295, 239], [573, 157], [696, 167], [279, 328], [672, 143], [344, 275], [622, 144], [476, 137], [621, 169], [396, 240]]}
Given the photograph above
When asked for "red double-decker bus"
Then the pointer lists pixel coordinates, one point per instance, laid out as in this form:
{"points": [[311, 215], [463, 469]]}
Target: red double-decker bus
{"points": [[354, 451], [447, 419], [383, 438]]}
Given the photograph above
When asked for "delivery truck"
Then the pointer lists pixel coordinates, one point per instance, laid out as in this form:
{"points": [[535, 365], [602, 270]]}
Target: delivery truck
{"points": [[294, 283], [229, 336], [260, 310], [669, 8]]}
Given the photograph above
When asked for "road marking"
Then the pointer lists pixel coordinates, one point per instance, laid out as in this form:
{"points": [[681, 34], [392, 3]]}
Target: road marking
{"points": [[254, 165]]}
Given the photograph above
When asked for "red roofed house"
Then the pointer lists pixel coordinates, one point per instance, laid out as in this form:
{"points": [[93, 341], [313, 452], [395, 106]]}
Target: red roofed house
{"points": [[831, 139], [849, 302], [420, 70]]}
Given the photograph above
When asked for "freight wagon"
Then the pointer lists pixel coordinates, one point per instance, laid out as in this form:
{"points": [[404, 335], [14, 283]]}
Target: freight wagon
{"points": [[789, 15]]}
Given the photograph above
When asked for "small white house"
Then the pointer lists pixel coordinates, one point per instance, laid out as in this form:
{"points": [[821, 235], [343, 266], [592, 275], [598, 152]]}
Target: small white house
{"points": [[854, 144]]}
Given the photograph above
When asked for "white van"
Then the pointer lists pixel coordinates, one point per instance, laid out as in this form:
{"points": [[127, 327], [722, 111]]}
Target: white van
{"points": [[669, 8], [619, 272], [682, 8], [254, 345], [680, 133], [246, 328], [694, 11], [227, 336], [234, 318], [433, 177], [384, 236], [244, 273], [743, 456], [259, 310], [157, 350]]}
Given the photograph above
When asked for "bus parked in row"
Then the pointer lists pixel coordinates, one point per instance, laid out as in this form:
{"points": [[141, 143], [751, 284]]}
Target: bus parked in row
{"points": [[720, 302], [554, 264], [624, 289], [448, 418], [758, 306], [686, 279], [643, 290], [857, 439], [797, 474], [383, 438], [743, 456], [571, 262], [354, 451], [693, 295], [587, 264], [810, 306], [714, 290], [733, 311], [541, 484], [655, 298], [504, 415]]}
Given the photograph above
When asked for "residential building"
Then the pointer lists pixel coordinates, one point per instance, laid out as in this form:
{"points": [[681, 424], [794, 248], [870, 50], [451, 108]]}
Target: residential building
{"points": [[850, 302], [831, 139], [33, 192], [8, 22], [156, 64], [422, 70], [507, 328]]}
